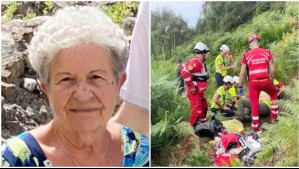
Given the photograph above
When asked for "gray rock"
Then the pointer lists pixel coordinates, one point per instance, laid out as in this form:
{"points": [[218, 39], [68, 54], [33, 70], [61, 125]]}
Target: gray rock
{"points": [[13, 112], [9, 112], [4, 5], [9, 91], [13, 25], [7, 42], [35, 22], [2, 103], [30, 6], [29, 112], [13, 67], [29, 84], [14, 127], [5, 134], [44, 115], [128, 25]]}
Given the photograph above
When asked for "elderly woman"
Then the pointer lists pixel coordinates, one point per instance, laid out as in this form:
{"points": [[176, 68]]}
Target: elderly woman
{"points": [[80, 56]]}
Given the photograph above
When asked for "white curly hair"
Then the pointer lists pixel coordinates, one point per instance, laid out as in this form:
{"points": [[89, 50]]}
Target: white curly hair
{"points": [[72, 26]]}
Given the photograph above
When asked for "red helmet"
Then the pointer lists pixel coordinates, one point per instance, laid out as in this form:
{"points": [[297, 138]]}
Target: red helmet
{"points": [[252, 37]]}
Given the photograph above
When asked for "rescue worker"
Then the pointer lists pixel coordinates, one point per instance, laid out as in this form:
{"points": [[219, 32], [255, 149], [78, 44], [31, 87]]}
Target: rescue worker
{"points": [[279, 88], [220, 97], [221, 69], [244, 107], [233, 97], [258, 62], [195, 75]]}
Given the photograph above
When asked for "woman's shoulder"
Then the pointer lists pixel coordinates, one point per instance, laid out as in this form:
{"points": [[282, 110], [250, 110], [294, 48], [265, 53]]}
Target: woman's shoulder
{"points": [[128, 133], [22, 150], [136, 148]]}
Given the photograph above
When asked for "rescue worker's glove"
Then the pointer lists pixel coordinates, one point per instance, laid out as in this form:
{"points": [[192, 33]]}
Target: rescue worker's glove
{"points": [[240, 91]]}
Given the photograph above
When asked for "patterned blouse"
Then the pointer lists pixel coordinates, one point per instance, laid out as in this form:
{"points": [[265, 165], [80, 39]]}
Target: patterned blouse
{"points": [[24, 150]]}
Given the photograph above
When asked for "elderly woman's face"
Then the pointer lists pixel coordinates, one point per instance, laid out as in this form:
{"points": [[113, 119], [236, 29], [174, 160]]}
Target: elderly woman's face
{"points": [[83, 90]]}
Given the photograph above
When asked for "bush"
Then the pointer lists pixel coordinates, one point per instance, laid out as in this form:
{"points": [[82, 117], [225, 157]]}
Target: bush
{"points": [[285, 53]]}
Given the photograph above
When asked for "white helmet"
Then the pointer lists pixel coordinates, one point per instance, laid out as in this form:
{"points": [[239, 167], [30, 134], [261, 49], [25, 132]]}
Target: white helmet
{"points": [[201, 48], [224, 48], [236, 79], [228, 79]]}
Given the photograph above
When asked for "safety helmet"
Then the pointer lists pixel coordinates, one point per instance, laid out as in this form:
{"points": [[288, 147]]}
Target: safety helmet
{"points": [[228, 79], [201, 48], [236, 79], [224, 48], [252, 37]]}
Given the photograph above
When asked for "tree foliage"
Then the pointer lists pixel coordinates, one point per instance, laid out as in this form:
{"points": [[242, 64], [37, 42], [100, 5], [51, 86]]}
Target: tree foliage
{"points": [[167, 32], [227, 16]]}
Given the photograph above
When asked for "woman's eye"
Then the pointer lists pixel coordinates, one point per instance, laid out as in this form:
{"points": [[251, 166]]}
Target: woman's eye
{"points": [[66, 79], [97, 80], [95, 77]]}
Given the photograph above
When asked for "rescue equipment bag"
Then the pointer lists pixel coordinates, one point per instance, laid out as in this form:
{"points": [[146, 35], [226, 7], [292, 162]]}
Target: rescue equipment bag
{"points": [[209, 128]]}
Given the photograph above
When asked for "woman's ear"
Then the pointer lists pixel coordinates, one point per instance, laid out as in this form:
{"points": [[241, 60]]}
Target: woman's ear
{"points": [[43, 88], [123, 79]]}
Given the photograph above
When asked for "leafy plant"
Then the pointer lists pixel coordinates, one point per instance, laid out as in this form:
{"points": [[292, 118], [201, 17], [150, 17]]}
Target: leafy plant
{"points": [[9, 12], [285, 54], [29, 16], [120, 10], [169, 116], [48, 7], [281, 140]]}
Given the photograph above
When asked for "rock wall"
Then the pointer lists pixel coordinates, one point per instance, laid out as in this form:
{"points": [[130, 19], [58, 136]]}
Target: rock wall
{"points": [[23, 105]]}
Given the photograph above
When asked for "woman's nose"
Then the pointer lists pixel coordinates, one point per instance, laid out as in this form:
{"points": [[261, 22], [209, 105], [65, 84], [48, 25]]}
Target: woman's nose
{"points": [[82, 92]]}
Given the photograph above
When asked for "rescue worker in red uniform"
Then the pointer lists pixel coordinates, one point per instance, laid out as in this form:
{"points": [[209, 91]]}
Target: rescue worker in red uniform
{"points": [[195, 76], [260, 67]]}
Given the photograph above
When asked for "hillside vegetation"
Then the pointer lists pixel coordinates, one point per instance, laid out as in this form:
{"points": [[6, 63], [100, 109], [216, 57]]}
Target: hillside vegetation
{"points": [[223, 23]]}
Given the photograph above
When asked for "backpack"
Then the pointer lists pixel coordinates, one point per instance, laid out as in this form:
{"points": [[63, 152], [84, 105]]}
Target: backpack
{"points": [[209, 128], [235, 146], [226, 147]]}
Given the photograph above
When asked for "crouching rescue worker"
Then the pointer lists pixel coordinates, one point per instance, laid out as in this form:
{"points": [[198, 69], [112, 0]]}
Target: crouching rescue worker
{"points": [[232, 100], [220, 97], [195, 76]]}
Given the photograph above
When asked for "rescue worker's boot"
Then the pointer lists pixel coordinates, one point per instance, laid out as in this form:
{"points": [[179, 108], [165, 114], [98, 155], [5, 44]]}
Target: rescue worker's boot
{"points": [[203, 120], [274, 113], [255, 125]]}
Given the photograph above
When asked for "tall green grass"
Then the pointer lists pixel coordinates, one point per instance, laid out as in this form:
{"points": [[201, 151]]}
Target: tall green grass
{"points": [[170, 115], [280, 141]]}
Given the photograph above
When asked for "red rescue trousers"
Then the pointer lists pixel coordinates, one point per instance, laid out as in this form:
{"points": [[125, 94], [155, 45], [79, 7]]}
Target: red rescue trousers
{"points": [[255, 87], [198, 107]]}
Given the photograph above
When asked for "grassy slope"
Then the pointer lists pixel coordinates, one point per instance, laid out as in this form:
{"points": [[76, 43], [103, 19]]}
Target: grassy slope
{"points": [[171, 111]]}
